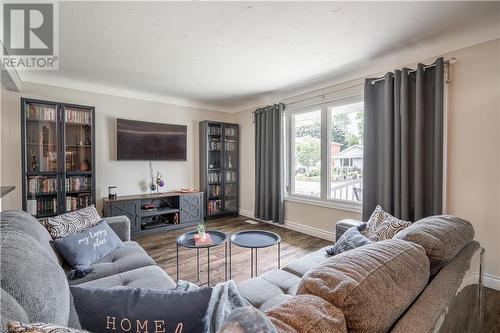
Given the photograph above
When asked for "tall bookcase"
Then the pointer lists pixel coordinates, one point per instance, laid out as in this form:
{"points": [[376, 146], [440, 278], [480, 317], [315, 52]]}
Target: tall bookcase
{"points": [[58, 157], [219, 168]]}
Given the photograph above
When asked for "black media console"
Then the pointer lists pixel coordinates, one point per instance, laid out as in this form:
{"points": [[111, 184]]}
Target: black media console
{"points": [[153, 213]]}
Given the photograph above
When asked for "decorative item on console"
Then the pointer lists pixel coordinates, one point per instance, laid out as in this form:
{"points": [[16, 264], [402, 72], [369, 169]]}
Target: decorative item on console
{"points": [[112, 192], [157, 180]]}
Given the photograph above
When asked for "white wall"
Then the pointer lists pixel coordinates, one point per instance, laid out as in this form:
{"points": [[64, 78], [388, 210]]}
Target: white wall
{"points": [[473, 167], [127, 175]]}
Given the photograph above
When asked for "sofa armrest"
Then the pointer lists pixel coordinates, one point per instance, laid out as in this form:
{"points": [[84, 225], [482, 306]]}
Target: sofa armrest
{"points": [[120, 225], [342, 226]]}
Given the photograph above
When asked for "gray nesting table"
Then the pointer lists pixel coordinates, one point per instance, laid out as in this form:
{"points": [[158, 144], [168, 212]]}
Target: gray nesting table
{"points": [[186, 240], [254, 240]]}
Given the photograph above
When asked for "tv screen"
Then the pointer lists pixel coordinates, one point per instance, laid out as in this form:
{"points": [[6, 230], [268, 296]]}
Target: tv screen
{"points": [[140, 140]]}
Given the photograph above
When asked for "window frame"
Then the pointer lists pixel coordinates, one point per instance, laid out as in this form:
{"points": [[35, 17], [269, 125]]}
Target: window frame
{"points": [[324, 199]]}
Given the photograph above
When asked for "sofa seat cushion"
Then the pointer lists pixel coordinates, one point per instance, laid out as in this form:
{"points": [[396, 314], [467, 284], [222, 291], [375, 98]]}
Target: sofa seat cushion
{"points": [[127, 257], [276, 300], [269, 289], [372, 285], [300, 266], [441, 236], [150, 277], [284, 280], [307, 314]]}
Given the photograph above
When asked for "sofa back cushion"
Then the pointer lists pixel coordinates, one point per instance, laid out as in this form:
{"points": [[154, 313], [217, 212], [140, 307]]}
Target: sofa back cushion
{"points": [[11, 310], [307, 314], [34, 278], [441, 236], [24, 222], [373, 285]]}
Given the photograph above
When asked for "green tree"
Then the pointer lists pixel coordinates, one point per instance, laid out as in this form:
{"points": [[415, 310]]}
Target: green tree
{"points": [[308, 151], [312, 130], [338, 135]]}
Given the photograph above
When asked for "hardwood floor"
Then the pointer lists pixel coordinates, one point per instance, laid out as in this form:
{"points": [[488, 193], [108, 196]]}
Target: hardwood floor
{"points": [[294, 245], [162, 249]]}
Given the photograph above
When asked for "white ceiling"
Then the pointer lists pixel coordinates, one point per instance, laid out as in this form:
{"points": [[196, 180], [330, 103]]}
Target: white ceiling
{"points": [[223, 55]]}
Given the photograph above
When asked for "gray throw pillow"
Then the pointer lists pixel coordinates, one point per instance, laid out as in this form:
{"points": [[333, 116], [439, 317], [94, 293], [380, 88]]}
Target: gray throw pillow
{"points": [[86, 247], [73, 222], [349, 240], [141, 310]]}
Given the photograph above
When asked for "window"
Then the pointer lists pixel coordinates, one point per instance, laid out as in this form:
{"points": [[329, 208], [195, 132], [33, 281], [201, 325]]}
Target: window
{"points": [[307, 153], [346, 152], [325, 149]]}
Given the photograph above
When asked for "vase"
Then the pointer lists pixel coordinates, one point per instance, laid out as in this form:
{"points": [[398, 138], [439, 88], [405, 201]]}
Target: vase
{"points": [[202, 235]]}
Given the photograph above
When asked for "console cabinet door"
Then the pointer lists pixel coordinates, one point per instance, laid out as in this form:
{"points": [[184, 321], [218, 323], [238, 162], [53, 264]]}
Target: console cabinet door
{"points": [[190, 208], [131, 209]]}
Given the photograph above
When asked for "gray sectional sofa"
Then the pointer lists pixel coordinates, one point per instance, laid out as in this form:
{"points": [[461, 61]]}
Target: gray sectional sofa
{"points": [[33, 276], [450, 302], [34, 287]]}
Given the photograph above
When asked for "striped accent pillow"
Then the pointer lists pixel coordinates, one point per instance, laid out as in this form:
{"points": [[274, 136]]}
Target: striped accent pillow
{"points": [[17, 327], [382, 225], [73, 222]]}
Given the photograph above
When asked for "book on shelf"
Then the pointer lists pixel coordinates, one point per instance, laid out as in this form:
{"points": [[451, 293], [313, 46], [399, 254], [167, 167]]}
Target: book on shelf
{"points": [[41, 112], [77, 116], [78, 183], [78, 202], [42, 185], [214, 206], [198, 241], [41, 206]]}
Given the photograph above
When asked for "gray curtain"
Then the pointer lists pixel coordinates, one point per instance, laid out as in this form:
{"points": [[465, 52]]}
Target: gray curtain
{"points": [[403, 142], [269, 167]]}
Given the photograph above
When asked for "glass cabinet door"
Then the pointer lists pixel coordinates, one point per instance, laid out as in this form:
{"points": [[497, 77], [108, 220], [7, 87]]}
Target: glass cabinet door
{"points": [[41, 138], [231, 168], [41, 158], [78, 157]]}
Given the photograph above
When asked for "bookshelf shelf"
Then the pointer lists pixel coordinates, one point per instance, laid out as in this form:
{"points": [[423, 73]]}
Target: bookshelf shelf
{"points": [[58, 156], [219, 167]]}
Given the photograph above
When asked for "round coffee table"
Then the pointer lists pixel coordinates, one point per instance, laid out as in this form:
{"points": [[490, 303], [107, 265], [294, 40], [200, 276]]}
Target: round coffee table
{"points": [[254, 240], [187, 240]]}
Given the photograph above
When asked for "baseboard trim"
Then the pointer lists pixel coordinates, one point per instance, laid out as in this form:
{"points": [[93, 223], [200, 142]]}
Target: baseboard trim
{"points": [[305, 229], [491, 281]]}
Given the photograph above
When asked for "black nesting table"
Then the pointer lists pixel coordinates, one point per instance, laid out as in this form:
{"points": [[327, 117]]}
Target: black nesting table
{"points": [[186, 240], [254, 240]]}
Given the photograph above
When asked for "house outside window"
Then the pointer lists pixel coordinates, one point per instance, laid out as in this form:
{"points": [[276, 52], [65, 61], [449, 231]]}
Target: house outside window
{"points": [[325, 148]]}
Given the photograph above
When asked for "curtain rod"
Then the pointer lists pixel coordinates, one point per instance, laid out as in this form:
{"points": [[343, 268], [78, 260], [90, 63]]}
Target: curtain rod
{"points": [[447, 63], [452, 60]]}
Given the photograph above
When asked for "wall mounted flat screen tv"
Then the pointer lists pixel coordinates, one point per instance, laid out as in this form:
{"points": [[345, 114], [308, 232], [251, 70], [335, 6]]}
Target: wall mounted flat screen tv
{"points": [[141, 140]]}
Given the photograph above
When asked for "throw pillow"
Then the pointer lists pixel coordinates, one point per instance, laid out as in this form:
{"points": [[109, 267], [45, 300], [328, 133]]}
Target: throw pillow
{"points": [[86, 247], [349, 240], [140, 310], [17, 327], [382, 225], [73, 222]]}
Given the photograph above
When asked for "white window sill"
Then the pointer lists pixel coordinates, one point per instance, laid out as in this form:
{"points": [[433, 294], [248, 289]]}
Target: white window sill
{"points": [[350, 206]]}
